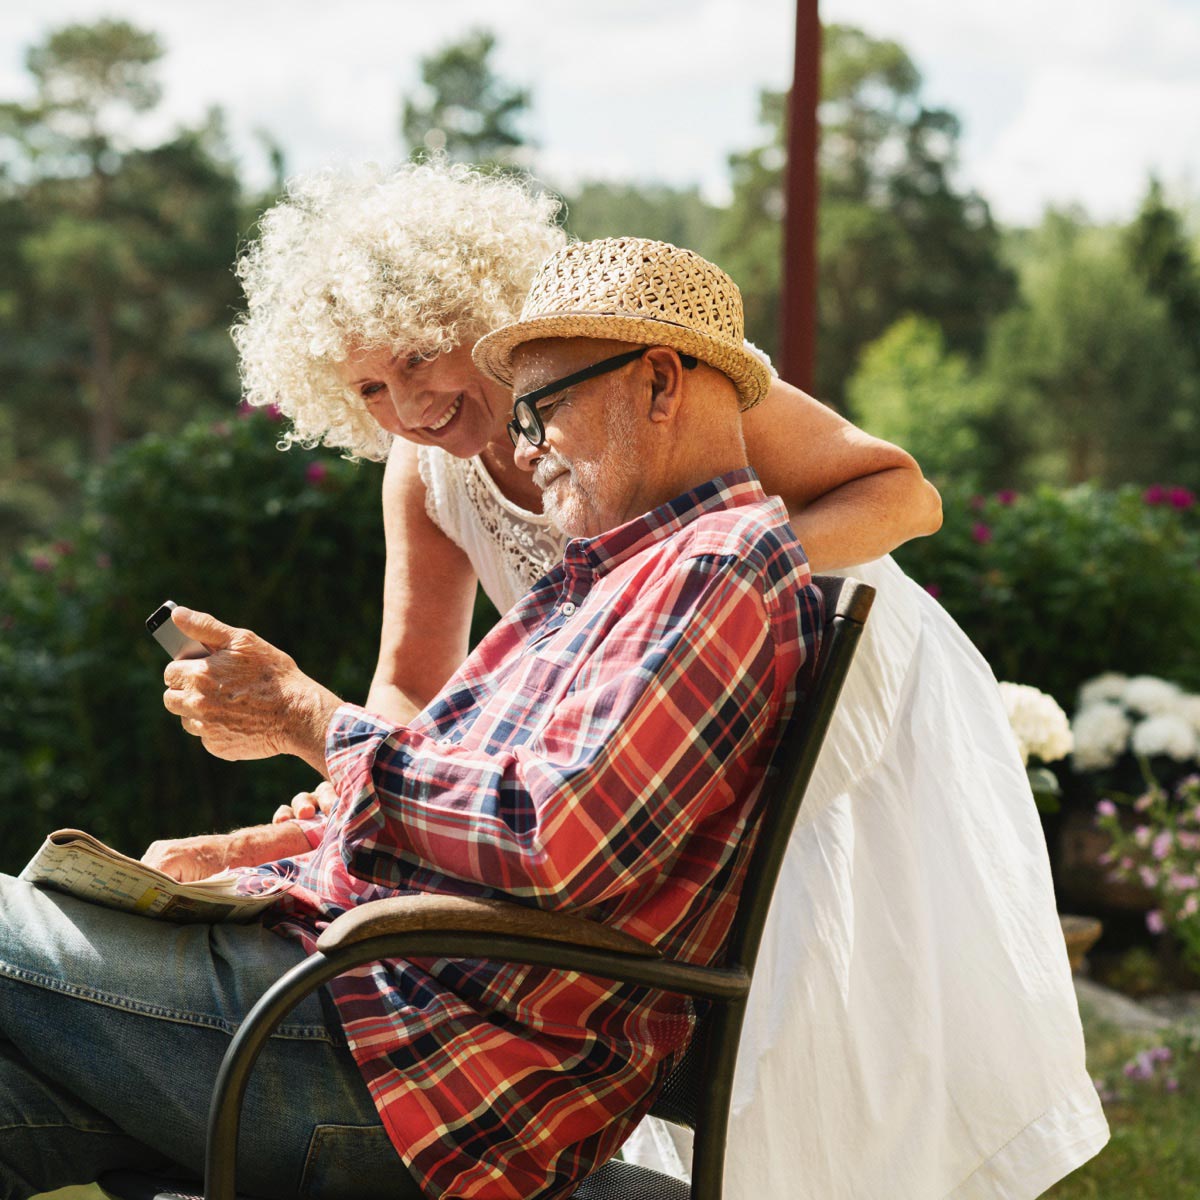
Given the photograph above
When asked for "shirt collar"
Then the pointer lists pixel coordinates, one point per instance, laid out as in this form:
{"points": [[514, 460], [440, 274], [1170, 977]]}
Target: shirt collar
{"points": [[600, 554]]}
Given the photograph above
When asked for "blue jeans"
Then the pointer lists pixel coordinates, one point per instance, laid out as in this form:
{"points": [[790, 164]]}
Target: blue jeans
{"points": [[112, 1027]]}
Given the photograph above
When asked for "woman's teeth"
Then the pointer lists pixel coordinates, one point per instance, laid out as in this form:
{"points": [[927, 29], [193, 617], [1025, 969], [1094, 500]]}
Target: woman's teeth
{"points": [[447, 416]]}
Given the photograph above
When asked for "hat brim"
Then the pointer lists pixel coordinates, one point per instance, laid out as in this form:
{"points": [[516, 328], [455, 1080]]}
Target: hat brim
{"points": [[747, 372]]}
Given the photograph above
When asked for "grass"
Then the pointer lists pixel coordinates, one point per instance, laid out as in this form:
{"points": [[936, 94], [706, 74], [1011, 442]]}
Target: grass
{"points": [[1154, 1152]]}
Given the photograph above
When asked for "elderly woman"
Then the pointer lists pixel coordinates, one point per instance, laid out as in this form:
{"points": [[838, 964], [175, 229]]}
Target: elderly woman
{"points": [[914, 1031]]}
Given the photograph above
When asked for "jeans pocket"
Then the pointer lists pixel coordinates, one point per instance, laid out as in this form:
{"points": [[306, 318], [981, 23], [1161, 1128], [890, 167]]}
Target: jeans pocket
{"points": [[356, 1161]]}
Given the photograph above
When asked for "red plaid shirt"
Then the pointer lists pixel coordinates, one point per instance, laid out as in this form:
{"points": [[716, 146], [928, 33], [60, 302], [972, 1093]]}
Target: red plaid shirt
{"points": [[601, 751]]}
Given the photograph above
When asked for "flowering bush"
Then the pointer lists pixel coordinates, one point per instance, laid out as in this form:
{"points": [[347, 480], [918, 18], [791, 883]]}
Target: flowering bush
{"points": [[1143, 716], [1162, 852], [1049, 584], [1040, 725]]}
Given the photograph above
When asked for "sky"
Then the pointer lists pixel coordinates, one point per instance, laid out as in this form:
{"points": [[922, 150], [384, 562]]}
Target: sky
{"points": [[1063, 102]]}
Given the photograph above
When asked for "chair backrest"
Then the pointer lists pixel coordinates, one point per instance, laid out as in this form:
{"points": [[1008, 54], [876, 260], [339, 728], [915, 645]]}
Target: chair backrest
{"points": [[697, 1092]]}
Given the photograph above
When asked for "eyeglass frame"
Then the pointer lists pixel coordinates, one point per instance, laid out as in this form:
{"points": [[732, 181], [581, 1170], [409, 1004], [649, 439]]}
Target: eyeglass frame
{"points": [[533, 428]]}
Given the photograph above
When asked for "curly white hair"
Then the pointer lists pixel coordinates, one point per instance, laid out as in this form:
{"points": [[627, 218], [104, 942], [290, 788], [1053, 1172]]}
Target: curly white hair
{"points": [[419, 260]]}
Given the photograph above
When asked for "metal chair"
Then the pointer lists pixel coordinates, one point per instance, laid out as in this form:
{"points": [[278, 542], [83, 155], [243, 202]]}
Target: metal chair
{"points": [[697, 1093]]}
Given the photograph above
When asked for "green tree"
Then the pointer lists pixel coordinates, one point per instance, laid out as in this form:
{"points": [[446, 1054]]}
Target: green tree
{"points": [[895, 235], [465, 110], [1098, 362], [115, 287], [1158, 249], [912, 391], [677, 215]]}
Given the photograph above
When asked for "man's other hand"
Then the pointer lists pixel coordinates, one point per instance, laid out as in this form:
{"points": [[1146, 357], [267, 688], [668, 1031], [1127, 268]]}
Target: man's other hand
{"points": [[191, 858]]}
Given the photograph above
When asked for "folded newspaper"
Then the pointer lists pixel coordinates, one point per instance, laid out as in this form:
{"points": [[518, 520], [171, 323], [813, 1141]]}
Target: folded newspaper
{"points": [[77, 863]]}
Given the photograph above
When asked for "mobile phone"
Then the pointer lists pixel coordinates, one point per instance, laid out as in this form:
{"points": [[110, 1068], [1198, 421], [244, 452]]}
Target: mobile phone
{"points": [[170, 637]]}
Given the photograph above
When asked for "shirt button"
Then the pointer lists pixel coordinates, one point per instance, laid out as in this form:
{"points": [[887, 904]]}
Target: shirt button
{"points": [[568, 609]]}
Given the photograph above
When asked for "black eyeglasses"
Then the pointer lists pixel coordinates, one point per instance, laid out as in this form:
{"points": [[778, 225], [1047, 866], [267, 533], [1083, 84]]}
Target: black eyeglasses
{"points": [[528, 420]]}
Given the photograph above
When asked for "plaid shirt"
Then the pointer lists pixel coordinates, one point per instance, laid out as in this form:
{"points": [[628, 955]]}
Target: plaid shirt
{"points": [[601, 751]]}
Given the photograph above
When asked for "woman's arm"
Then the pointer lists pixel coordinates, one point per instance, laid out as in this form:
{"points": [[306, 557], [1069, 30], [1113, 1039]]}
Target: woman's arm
{"points": [[852, 497], [428, 597]]}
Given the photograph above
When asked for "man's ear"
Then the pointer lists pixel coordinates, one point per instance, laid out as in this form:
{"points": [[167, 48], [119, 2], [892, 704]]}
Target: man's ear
{"points": [[666, 383]]}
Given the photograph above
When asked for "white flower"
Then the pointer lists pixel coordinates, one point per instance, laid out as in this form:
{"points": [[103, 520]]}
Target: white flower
{"points": [[1101, 734], [1188, 707], [1039, 723], [1109, 686], [1165, 734], [1149, 695]]}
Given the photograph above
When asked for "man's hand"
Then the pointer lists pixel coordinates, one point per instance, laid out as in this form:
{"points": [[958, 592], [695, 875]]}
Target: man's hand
{"points": [[305, 805], [247, 699], [192, 858]]}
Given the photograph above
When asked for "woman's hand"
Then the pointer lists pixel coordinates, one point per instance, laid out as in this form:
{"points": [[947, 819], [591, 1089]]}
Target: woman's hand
{"points": [[305, 805], [247, 699]]}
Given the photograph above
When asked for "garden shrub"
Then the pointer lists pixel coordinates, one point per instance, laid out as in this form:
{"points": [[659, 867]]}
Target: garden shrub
{"points": [[215, 517], [1055, 587]]}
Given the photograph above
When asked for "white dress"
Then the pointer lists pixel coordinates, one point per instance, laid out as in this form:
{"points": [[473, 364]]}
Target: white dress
{"points": [[912, 1031]]}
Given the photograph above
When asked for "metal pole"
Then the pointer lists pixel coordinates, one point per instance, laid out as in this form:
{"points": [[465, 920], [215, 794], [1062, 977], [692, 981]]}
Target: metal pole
{"points": [[798, 308]]}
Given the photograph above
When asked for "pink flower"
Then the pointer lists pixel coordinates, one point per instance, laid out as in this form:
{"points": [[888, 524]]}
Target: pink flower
{"points": [[1155, 494], [978, 502], [315, 473], [274, 412], [245, 409], [1180, 497], [1006, 496], [1148, 876], [981, 533], [1161, 846], [63, 548], [1143, 802], [1141, 835], [1171, 1084], [1106, 808], [1188, 840], [1181, 882], [933, 589], [1154, 921], [42, 562], [1126, 864], [1190, 905]]}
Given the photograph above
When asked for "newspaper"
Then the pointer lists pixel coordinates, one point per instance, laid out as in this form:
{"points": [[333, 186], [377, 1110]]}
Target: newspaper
{"points": [[74, 862]]}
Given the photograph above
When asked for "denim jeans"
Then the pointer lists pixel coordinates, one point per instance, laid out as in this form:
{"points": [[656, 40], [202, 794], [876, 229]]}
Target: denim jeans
{"points": [[112, 1027]]}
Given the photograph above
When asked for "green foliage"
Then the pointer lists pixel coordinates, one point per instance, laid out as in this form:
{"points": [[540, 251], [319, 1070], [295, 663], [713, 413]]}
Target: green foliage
{"points": [[290, 545], [894, 235], [1054, 587], [677, 215], [115, 281], [1094, 356], [909, 389], [466, 112]]}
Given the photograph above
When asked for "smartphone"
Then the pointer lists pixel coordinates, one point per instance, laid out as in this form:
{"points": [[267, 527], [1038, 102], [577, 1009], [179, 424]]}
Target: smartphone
{"points": [[170, 637]]}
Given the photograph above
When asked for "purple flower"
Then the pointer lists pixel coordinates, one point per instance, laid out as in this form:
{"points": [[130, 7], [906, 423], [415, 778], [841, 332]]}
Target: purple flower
{"points": [[981, 533], [1006, 496], [1154, 921], [1180, 497], [1155, 494], [1106, 808], [1182, 882], [1171, 1084], [1161, 1054], [1148, 876], [1161, 846], [933, 589], [315, 473]]}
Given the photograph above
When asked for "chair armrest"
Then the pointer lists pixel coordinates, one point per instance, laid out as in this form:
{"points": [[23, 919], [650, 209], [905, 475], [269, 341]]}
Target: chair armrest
{"points": [[461, 914]]}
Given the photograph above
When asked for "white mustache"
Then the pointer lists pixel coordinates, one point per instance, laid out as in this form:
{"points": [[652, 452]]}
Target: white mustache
{"points": [[548, 466]]}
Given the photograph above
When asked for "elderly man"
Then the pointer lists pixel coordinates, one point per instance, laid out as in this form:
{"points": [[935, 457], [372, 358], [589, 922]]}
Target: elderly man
{"points": [[601, 751]]}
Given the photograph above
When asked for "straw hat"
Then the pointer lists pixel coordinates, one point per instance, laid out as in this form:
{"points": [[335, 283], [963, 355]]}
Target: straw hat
{"points": [[633, 290]]}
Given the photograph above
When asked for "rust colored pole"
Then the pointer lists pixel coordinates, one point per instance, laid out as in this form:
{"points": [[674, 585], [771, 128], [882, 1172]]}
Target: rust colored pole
{"points": [[798, 307]]}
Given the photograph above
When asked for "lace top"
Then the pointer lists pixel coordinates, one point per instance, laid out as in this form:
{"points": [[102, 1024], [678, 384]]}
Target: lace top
{"points": [[509, 547]]}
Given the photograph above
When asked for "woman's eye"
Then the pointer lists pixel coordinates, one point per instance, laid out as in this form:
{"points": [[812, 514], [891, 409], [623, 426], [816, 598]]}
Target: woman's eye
{"points": [[414, 360], [371, 389]]}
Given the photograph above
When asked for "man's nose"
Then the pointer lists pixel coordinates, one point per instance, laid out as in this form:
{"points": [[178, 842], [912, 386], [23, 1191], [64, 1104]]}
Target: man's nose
{"points": [[526, 454]]}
